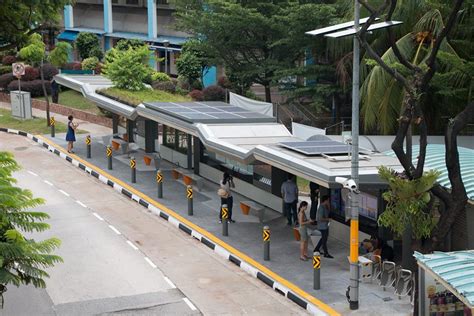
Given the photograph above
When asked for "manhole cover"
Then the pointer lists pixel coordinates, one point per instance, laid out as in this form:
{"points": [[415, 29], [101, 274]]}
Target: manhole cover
{"points": [[20, 148]]}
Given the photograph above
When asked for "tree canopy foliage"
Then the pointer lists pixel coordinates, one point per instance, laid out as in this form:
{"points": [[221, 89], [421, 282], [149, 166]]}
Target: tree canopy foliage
{"points": [[59, 55], [22, 259], [21, 18], [88, 45]]}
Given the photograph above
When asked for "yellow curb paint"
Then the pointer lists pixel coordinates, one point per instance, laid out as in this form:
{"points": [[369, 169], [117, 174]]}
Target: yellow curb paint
{"points": [[324, 307]]}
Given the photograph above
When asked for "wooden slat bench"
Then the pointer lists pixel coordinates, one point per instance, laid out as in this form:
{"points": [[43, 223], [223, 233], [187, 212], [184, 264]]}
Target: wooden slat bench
{"points": [[246, 206], [189, 178]]}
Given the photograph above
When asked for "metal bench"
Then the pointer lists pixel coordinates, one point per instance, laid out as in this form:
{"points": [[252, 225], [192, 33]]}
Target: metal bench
{"points": [[404, 283], [246, 206], [388, 274]]}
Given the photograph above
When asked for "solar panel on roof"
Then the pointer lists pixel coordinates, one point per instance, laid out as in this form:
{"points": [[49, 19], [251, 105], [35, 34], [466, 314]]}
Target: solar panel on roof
{"points": [[318, 147]]}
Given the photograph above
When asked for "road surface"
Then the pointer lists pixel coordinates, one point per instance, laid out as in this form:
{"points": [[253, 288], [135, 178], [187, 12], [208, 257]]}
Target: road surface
{"points": [[121, 259]]}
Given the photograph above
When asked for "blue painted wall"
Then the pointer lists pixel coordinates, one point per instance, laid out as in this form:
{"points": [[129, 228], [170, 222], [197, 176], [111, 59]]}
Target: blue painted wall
{"points": [[209, 77]]}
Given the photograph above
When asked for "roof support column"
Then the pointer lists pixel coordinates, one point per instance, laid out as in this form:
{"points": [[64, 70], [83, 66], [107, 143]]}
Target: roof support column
{"points": [[151, 134], [68, 17], [130, 128], [108, 19], [152, 20], [197, 153], [189, 142]]}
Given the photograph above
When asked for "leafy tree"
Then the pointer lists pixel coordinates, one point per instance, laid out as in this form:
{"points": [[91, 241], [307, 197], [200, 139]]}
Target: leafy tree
{"points": [[21, 18], [128, 68], [415, 80], [59, 55], [22, 259], [34, 53], [189, 66], [88, 45], [253, 40], [125, 44], [90, 63]]}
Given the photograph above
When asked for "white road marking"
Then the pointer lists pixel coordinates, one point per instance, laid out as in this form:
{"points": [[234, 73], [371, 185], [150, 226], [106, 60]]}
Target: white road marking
{"points": [[150, 262], [32, 173], [81, 204], [132, 245], [47, 182], [114, 229], [98, 216], [188, 302], [170, 283], [64, 192]]}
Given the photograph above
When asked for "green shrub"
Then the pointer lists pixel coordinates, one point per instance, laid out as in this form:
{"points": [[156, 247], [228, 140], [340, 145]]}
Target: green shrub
{"points": [[197, 95], [196, 85], [5, 80], [167, 86], [49, 71], [88, 45], [5, 69], [30, 74], [159, 76], [35, 87], [189, 66], [214, 93], [8, 60], [90, 63]]}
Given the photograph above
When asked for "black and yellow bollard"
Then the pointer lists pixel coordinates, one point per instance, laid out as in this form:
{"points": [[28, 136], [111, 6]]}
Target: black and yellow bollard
{"points": [[108, 152], [159, 181], [88, 144], [133, 168], [317, 270], [266, 243], [225, 217], [52, 123], [189, 195]]}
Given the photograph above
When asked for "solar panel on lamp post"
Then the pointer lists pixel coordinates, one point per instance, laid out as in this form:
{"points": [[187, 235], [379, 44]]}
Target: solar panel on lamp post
{"points": [[337, 31]]}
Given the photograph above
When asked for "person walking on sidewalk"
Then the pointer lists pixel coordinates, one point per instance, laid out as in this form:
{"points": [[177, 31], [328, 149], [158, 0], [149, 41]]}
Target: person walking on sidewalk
{"points": [[303, 229], [323, 220], [226, 184], [289, 192], [71, 134], [314, 195]]}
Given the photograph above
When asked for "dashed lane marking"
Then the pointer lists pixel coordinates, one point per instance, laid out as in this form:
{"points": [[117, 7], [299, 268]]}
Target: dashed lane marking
{"points": [[150, 263], [188, 302], [98, 216], [115, 230], [170, 283], [64, 192], [132, 245], [81, 204], [47, 182], [32, 173]]}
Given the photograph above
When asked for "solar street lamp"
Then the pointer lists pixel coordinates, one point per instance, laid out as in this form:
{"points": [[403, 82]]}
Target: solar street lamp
{"points": [[166, 43], [337, 31]]}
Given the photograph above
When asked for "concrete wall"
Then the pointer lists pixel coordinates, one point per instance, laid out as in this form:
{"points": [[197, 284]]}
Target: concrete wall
{"points": [[246, 189]]}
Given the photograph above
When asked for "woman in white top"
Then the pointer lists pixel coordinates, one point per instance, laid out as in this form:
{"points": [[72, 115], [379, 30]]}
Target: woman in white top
{"points": [[226, 184]]}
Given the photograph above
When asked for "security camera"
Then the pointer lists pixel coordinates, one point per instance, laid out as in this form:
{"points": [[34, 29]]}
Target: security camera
{"points": [[348, 184]]}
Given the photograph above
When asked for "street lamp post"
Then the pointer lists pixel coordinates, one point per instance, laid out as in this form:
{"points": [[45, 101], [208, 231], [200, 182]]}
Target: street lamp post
{"points": [[166, 43], [337, 31]]}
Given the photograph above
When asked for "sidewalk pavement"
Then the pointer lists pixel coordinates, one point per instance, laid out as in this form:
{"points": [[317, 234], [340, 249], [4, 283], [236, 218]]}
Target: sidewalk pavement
{"points": [[246, 235]]}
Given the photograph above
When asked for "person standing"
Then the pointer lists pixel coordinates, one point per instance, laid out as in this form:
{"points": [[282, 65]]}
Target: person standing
{"points": [[226, 184], [314, 196], [289, 192], [303, 230], [323, 220], [71, 134]]}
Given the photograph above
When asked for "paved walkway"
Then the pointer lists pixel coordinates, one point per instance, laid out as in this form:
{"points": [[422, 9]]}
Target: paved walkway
{"points": [[245, 235]]}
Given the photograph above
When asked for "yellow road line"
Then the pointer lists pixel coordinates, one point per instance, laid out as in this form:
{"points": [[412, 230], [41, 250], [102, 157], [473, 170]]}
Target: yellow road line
{"points": [[277, 278]]}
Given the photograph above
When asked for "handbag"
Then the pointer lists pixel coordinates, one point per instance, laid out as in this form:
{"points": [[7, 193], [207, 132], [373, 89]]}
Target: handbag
{"points": [[223, 193]]}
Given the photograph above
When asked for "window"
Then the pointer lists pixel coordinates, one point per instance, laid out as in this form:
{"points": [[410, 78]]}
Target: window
{"points": [[175, 139], [235, 168]]}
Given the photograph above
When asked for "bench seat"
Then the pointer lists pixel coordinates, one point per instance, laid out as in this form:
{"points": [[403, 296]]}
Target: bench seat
{"points": [[246, 206]]}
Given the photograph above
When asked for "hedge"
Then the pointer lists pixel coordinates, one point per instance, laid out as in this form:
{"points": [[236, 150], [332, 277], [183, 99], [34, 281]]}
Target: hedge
{"points": [[34, 87]]}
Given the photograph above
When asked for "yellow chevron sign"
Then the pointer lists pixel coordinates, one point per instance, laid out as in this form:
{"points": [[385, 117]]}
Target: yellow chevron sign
{"points": [[316, 262], [225, 212], [189, 193], [266, 235], [88, 140], [52, 121], [159, 177], [108, 151], [133, 163]]}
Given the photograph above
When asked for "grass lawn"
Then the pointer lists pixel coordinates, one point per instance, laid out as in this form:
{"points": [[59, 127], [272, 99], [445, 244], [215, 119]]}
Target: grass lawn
{"points": [[134, 98], [303, 184], [33, 126], [75, 100]]}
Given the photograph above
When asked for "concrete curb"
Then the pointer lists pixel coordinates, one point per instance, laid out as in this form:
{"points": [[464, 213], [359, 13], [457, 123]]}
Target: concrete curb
{"points": [[247, 264]]}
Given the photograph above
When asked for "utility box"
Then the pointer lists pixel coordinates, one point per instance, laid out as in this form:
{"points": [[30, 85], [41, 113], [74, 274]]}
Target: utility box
{"points": [[21, 104]]}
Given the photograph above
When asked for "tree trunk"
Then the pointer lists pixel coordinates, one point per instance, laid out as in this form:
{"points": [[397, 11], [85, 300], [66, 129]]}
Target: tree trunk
{"points": [[45, 93], [268, 94]]}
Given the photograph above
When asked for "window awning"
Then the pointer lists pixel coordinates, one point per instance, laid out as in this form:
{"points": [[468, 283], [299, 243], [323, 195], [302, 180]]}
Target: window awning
{"points": [[68, 36]]}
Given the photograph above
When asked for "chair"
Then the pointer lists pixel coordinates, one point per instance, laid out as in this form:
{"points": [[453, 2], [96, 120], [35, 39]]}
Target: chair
{"points": [[388, 274], [376, 267]]}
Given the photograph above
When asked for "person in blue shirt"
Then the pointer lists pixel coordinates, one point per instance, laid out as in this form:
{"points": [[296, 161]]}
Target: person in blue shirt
{"points": [[289, 192], [71, 134], [323, 219]]}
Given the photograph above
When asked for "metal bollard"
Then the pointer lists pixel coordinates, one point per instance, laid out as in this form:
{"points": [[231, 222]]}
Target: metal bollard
{"points": [[266, 243], [88, 144], [225, 216], [317, 270], [133, 168], [189, 195], [159, 180], [52, 123], [108, 152]]}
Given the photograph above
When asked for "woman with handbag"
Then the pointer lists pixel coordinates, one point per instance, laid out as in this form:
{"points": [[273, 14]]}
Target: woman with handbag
{"points": [[226, 195]]}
